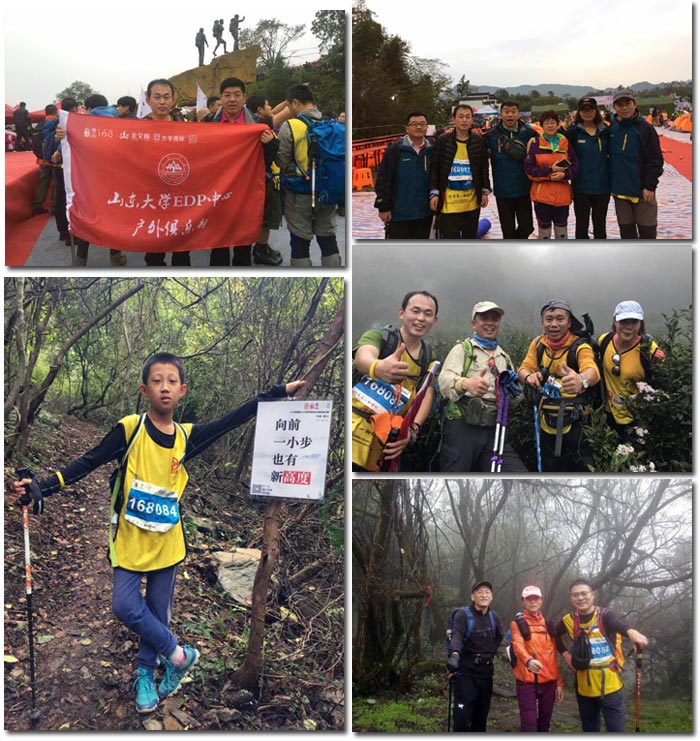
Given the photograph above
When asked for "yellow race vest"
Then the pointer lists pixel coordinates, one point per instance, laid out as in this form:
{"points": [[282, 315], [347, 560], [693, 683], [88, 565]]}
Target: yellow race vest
{"points": [[146, 532]]}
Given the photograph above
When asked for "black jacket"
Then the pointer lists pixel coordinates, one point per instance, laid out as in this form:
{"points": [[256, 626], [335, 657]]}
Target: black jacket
{"points": [[444, 150]]}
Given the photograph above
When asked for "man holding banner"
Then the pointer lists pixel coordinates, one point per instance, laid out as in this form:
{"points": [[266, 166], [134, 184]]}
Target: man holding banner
{"points": [[162, 187]]}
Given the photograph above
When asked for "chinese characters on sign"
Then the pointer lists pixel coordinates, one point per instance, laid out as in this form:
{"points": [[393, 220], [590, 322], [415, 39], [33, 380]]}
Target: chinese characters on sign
{"points": [[291, 449]]}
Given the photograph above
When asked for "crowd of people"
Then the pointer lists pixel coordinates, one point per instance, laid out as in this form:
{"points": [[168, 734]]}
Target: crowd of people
{"points": [[589, 639], [565, 373], [286, 125], [443, 182]]}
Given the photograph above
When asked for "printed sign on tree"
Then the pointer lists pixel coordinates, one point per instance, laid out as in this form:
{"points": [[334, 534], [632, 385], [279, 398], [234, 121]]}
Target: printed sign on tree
{"points": [[291, 449]]}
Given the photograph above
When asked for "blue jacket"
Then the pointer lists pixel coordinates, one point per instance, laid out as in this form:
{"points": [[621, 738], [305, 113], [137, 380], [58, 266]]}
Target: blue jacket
{"points": [[402, 184], [592, 151], [509, 178], [635, 158], [48, 145]]}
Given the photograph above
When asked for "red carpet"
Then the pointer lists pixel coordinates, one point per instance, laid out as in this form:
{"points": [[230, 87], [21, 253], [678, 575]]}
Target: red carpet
{"points": [[678, 154], [21, 230]]}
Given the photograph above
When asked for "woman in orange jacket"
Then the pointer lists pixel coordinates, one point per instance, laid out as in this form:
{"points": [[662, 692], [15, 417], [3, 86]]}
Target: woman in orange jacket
{"points": [[537, 677], [551, 165]]}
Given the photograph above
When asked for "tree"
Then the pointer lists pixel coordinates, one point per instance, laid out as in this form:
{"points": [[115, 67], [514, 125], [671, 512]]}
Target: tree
{"points": [[77, 90], [463, 88], [502, 95], [329, 27], [274, 39]]}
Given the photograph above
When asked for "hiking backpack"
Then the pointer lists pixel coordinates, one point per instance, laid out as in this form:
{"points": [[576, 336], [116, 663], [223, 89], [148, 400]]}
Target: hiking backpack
{"points": [[391, 339], [526, 633], [319, 143], [470, 625]]}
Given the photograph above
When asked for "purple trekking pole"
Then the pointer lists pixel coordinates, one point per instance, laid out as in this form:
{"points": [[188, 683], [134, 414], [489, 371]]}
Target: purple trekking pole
{"points": [[497, 443]]}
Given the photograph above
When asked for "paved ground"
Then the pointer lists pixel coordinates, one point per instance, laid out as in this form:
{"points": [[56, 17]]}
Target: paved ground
{"points": [[48, 251]]}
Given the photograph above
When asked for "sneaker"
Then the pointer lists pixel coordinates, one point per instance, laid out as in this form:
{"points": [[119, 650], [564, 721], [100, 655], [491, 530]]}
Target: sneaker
{"points": [[117, 259], [263, 254], [145, 687], [175, 674]]}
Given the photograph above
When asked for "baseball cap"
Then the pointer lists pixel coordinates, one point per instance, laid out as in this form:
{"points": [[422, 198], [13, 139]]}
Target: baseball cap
{"points": [[557, 303], [531, 591], [587, 101], [484, 306], [481, 583], [624, 93], [628, 310]]}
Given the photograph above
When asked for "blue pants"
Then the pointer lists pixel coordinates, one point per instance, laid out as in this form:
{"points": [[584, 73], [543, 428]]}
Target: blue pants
{"points": [[612, 707], [149, 617]]}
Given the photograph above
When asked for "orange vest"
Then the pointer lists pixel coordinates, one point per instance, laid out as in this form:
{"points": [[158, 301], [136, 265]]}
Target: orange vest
{"points": [[544, 190]]}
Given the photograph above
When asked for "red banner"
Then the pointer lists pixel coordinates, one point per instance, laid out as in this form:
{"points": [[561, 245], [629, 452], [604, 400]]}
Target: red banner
{"points": [[163, 186]]}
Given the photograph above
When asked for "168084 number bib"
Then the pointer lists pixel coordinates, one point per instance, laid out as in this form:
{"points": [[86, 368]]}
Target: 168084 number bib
{"points": [[151, 507]]}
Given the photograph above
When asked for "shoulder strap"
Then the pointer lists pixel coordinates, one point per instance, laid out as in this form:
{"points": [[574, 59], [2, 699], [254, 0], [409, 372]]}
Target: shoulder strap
{"points": [[390, 341], [604, 342], [493, 623], [539, 349], [132, 440], [577, 623], [572, 355], [468, 355], [645, 355], [183, 431], [470, 622]]}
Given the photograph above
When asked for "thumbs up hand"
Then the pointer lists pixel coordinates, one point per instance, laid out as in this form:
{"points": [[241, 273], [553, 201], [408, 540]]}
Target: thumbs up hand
{"points": [[477, 385], [392, 368], [571, 382]]}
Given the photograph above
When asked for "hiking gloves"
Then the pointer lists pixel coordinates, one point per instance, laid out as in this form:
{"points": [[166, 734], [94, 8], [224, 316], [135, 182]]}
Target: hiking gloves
{"points": [[453, 662], [510, 383]]}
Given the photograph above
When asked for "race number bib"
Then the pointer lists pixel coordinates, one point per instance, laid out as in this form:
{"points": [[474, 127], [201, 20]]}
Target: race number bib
{"points": [[460, 177], [151, 507], [601, 653], [379, 396]]}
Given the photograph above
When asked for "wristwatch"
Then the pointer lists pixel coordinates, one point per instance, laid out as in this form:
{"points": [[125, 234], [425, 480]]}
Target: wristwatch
{"points": [[584, 382]]}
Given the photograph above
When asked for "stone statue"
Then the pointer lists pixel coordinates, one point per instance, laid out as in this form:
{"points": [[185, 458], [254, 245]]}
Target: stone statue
{"points": [[233, 28], [218, 32], [200, 42]]}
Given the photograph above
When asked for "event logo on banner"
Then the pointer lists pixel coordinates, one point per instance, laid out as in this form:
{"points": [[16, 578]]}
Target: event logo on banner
{"points": [[162, 186], [291, 449]]}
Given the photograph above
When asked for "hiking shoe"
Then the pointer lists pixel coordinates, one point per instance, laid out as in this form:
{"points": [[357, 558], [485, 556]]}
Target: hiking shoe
{"points": [[117, 260], [175, 674], [263, 254], [145, 687]]}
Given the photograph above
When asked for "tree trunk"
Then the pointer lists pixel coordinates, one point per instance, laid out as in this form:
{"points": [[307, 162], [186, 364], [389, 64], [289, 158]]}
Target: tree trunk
{"points": [[249, 672]]}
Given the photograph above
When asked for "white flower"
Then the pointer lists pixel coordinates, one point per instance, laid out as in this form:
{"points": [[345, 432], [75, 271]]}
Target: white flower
{"points": [[652, 467], [641, 432], [645, 387], [623, 449], [638, 469]]}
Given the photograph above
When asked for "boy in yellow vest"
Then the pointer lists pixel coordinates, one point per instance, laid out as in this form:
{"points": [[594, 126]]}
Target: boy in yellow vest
{"points": [[598, 669], [147, 536]]}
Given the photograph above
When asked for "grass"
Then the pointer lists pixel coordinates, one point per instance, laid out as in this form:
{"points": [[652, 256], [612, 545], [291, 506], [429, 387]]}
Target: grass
{"points": [[423, 709]]}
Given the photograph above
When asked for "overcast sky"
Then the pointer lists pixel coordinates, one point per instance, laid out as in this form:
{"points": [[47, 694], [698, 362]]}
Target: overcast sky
{"points": [[598, 42], [591, 276], [118, 46]]}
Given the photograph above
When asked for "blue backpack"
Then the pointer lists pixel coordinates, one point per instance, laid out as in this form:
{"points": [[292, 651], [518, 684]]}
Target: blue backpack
{"points": [[470, 625], [319, 160]]}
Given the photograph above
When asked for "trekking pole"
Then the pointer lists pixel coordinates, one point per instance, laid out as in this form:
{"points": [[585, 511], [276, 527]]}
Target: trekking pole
{"points": [[537, 436], [537, 702], [449, 704], [24, 473], [497, 435], [504, 425], [638, 662]]}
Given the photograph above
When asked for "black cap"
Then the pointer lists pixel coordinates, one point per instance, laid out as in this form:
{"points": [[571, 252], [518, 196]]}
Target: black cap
{"points": [[480, 583], [576, 325], [587, 101]]}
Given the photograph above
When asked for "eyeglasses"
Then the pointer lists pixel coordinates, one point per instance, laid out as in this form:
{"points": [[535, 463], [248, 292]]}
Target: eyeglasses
{"points": [[418, 125], [576, 595], [616, 366]]}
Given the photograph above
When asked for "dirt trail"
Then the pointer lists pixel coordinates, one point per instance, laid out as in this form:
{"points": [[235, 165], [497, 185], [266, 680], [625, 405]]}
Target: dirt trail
{"points": [[85, 657]]}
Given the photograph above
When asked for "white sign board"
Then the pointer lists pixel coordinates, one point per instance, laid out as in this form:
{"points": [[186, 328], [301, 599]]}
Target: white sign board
{"points": [[291, 449]]}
